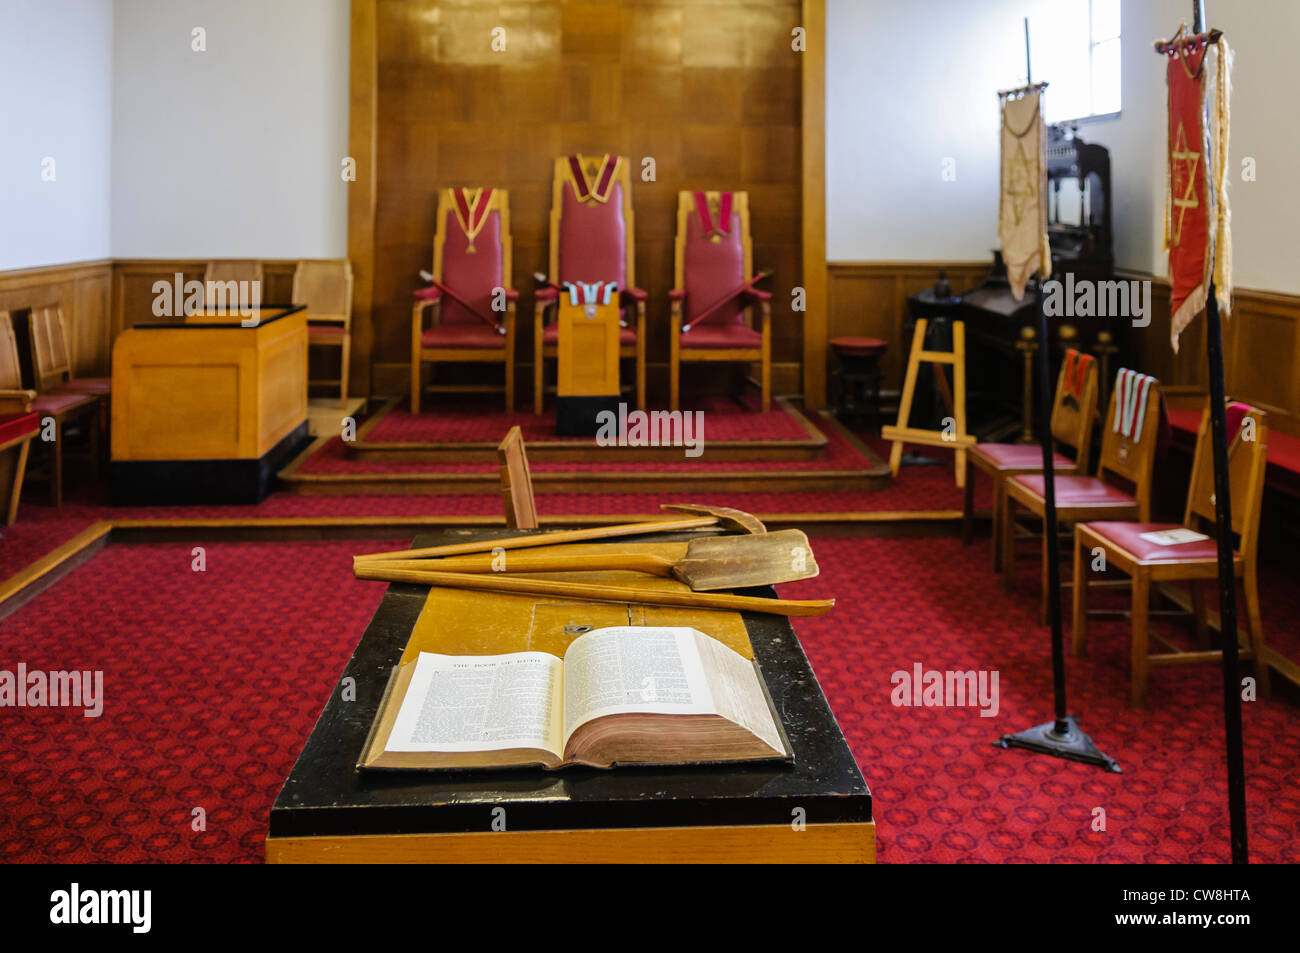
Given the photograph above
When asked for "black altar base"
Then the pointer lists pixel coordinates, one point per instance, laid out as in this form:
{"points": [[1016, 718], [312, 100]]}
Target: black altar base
{"points": [[326, 796]]}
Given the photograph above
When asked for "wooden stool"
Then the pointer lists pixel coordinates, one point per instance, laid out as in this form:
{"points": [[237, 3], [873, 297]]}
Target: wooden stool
{"points": [[860, 373]]}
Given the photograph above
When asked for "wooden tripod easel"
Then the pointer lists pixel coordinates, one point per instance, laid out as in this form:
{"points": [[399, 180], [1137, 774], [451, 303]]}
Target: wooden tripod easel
{"points": [[957, 438]]}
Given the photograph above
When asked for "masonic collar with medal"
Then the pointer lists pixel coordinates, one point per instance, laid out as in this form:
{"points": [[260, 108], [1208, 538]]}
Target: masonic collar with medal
{"points": [[471, 208]]}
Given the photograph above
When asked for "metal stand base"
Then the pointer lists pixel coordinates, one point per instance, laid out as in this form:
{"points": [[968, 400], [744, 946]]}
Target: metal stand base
{"points": [[1071, 744]]}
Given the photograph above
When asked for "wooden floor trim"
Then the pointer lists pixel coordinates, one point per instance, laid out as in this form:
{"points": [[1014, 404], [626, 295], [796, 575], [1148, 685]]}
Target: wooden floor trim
{"points": [[31, 580]]}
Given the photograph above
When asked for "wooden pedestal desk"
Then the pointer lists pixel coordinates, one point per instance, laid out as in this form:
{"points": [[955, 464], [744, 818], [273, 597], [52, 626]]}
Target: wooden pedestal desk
{"points": [[329, 812], [207, 411]]}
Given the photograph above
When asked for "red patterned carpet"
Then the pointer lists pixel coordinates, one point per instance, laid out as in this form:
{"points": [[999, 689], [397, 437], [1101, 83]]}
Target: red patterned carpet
{"points": [[41, 528], [840, 454], [214, 681], [725, 420]]}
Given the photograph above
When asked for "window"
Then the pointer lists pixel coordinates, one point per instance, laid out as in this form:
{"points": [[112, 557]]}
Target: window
{"points": [[1074, 45]]}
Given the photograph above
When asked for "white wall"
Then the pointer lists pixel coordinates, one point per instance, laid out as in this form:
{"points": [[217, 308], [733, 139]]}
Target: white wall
{"points": [[235, 151], [55, 81], [895, 107]]}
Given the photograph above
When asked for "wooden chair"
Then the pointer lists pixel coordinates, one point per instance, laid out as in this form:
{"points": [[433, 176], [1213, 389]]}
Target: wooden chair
{"points": [[1124, 459], [49, 334], [325, 287], [50, 372], [1147, 562], [713, 300], [471, 261], [591, 240], [1074, 412], [516, 482], [18, 423], [228, 270]]}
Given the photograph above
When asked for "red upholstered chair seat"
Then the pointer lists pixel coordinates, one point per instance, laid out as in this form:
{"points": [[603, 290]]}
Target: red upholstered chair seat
{"points": [[859, 347], [86, 385], [551, 335], [1077, 490], [477, 335], [1127, 536], [331, 331], [1016, 456], [57, 403], [16, 426], [720, 335]]}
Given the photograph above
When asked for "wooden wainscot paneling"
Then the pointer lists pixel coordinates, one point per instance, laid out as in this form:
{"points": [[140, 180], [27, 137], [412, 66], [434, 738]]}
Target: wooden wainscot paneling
{"points": [[134, 280], [869, 299], [1261, 353], [82, 292]]}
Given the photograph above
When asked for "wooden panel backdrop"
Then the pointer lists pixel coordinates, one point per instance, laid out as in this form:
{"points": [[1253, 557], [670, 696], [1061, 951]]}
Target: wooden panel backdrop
{"points": [[82, 291], [711, 91]]}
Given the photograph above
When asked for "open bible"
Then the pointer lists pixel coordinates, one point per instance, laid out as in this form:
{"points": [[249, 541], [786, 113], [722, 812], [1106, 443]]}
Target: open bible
{"points": [[620, 695]]}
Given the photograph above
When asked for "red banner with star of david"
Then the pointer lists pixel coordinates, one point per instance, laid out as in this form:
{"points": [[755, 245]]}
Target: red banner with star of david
{"points": [[1188, 224]]}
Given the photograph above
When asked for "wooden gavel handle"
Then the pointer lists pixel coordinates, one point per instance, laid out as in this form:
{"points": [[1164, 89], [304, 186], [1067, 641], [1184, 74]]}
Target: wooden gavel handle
{"points": [[544, 539], [651, 563], [497, 582]]}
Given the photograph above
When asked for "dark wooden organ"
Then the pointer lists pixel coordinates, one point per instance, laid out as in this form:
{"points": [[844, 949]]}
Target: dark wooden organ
{"points": [[1000, 331]]}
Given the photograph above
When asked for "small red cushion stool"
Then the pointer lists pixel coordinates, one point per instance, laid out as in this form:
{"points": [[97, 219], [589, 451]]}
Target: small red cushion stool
{"points": [[860, 373]]}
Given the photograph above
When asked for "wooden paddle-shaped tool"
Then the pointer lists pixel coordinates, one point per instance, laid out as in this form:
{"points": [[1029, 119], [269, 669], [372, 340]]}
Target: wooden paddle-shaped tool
{"points": [[709, 563]]}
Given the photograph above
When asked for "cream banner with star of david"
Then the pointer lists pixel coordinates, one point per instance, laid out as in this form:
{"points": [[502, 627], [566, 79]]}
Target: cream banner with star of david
{"points": [[1022, 211]]}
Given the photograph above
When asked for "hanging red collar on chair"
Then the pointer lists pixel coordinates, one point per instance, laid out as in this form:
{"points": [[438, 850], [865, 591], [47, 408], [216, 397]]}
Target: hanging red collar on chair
{"points": [[471, 207], [715, 219], [592, 181], [1076, 375]]}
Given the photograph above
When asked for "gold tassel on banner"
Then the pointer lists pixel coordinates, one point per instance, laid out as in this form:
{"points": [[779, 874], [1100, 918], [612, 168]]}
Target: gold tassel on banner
{"points": [[1223, 211]]}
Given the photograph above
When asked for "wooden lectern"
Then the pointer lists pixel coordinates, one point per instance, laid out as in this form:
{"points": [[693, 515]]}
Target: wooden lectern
{"points": [[587, 356]]}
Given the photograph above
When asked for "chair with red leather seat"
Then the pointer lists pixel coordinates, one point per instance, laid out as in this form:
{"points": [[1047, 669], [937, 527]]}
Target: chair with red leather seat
{"points": [[1074, 411], [51, 374], [1121, 490], [592, 240], [1151, 561], [18, 423], [714, 297], [470, 298]]}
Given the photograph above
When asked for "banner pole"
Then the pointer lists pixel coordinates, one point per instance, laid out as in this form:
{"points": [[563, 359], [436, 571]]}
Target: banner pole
{"points": [[1223, 533]]}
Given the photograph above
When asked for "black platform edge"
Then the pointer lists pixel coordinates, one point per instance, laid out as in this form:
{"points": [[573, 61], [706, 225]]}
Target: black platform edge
{"points": [[577, 416], [182, 482]]}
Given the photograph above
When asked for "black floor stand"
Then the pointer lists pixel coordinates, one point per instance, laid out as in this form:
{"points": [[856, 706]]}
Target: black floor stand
{"points": [[1061, 737]]}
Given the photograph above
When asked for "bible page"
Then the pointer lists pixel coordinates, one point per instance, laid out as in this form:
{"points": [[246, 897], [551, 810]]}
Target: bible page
{"points": [[481, 703], [734, 685], [623, 669]]}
